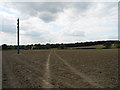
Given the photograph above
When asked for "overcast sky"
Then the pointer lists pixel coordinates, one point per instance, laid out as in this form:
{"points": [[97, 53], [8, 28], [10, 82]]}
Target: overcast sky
{"points": [[59, 22]]}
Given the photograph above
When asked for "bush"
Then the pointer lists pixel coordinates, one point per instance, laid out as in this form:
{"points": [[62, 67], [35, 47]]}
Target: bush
{"points": [[4, 47], [108, 45], [117, 44], [62, 46]]}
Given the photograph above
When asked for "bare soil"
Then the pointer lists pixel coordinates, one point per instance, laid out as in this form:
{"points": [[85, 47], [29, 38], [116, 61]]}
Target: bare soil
{"points": [[60, 69]]}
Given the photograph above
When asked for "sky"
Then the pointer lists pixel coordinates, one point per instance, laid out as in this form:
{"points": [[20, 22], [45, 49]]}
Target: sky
{"points": [[58, 22]]}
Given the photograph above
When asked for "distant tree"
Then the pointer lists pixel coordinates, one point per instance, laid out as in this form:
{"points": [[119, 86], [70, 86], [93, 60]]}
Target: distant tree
{"points": [[4, 47], [35, 46], [62, 46], [48, 46], [117, 44], [28, 47], [22, 47], [108, 45]]}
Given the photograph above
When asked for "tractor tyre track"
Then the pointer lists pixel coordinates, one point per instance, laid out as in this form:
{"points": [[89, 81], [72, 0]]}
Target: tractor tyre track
{"points": [[85, 78], [46, 83]]}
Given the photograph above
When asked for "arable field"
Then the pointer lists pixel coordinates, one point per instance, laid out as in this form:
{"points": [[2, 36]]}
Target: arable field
{"points": [[60, 69]]}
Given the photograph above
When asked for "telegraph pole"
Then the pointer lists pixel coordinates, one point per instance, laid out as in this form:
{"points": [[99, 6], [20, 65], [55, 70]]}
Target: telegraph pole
{"points": [[18, 35]]}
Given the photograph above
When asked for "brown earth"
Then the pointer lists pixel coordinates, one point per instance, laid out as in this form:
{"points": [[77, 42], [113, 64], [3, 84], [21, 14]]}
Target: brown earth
{"points": [[60, 69]]}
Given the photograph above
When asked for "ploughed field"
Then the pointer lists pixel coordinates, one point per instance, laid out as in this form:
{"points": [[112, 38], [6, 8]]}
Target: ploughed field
{"points": [[60, 69]]}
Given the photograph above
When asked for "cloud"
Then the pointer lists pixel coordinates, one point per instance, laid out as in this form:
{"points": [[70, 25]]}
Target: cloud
{"points": [[8, 26], [74, 33], [48, 11], [44, 11], [60, 22], [48, 17]]}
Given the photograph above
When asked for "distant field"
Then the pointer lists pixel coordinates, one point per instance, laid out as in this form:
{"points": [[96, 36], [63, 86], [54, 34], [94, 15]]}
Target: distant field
{"points": [[100, 46], [60, 69], [93, 46]]}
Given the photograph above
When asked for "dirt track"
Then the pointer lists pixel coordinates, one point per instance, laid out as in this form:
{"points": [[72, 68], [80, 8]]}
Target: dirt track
{"points": [[59, 69], [47, 74]]}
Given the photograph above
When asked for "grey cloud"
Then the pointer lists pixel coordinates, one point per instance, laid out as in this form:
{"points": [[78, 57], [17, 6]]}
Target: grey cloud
{"points": [[41, 10], [47, 17], [34, 8], [52, 7], [47, 11]]}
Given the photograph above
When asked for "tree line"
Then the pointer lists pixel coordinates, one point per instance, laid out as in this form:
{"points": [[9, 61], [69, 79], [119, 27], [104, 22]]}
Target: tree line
{"points": [[107, 44]]}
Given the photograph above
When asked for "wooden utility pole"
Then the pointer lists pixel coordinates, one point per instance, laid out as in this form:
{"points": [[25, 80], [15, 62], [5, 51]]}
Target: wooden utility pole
{"points": [[18, 35]]}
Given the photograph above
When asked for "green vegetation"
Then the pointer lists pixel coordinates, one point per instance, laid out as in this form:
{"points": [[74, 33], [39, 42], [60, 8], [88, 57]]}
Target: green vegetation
{"points": [[84, 45], [108, 45], [98, 48], [117, 44]]}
